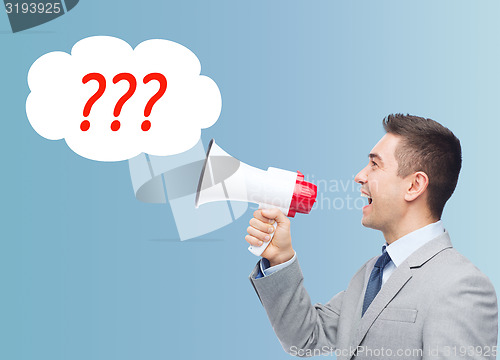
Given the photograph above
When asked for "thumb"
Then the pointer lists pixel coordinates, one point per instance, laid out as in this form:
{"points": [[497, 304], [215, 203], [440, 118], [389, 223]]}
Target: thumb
{"points": [[275, 214]]}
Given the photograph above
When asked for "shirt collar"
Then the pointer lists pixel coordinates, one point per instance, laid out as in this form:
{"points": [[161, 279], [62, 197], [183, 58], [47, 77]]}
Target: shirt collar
{"points": [[403, 247]]}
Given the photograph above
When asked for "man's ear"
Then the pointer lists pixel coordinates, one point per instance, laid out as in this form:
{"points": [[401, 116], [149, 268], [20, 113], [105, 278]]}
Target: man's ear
{"points": [[418, 184]]}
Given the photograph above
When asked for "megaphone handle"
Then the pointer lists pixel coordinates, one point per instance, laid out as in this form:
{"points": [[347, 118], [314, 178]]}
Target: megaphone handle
{"points": [[258, 250]]}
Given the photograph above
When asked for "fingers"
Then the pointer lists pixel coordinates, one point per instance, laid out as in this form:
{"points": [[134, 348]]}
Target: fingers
{"points": [[253, 241], [258, 215], [260, 235], [260, 229], [275, 214], [262, 226]]}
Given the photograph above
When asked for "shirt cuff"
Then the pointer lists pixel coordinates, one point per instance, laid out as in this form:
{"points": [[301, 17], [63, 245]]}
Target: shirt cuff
{"points": [[266, 270]]}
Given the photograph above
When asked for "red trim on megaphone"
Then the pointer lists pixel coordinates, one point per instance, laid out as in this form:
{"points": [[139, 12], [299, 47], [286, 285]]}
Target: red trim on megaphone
{"points": [[304, 196]]}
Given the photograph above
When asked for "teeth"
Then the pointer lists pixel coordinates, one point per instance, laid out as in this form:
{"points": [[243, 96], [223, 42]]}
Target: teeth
{"points": [[366, 196]]}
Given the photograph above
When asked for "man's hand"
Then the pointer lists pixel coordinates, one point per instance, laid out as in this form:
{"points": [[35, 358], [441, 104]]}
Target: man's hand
{"points": [[261, 227]]}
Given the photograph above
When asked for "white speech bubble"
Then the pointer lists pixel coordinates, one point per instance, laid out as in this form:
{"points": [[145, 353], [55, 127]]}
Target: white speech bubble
{"points": [[55, 106]]}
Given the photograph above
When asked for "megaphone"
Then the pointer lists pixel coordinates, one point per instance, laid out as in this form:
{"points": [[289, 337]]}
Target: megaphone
{"points": [[224, 178]]}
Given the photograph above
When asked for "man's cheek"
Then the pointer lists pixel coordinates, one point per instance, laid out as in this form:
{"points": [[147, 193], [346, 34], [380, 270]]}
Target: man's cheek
{"points": [[374, 186]]}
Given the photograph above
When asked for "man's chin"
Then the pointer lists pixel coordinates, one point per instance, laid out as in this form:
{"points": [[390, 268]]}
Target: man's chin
{"points": [[365, 221]]}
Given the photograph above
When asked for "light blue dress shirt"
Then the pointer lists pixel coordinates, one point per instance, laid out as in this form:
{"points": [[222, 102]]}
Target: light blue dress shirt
{"points": [[399, 250]]}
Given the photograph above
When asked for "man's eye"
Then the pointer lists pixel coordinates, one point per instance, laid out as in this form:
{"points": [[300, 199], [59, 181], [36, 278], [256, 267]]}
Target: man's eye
{"points": [[374, 163]]}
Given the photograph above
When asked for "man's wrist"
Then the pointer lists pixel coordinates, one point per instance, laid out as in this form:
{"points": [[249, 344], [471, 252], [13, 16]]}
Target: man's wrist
{"points": [[282, 258]]}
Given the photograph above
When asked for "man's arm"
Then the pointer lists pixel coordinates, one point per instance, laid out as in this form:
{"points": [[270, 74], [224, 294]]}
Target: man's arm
{"points": [[299, 325]]}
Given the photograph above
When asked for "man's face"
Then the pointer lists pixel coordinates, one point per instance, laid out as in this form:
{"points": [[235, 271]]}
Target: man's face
{"points": [[383, 186]]}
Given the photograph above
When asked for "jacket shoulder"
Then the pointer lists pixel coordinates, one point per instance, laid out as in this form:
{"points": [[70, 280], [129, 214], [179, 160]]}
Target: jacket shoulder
{"points": [[453, 269]]}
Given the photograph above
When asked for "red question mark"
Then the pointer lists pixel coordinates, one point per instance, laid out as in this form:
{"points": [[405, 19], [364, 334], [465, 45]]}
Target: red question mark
{"points": [[85, 124], [146, 124], [115, 125]]}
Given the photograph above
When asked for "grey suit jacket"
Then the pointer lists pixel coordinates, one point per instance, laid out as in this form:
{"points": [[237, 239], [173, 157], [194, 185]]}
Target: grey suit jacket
{"points": [[435, 305]]}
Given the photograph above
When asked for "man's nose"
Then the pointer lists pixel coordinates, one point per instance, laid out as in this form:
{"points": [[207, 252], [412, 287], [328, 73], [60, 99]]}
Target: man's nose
{"points": [[361, 177]]}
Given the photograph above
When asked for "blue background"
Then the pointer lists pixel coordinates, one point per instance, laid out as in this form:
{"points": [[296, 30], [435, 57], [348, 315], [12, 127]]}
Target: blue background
{"points": [[89, 272]]}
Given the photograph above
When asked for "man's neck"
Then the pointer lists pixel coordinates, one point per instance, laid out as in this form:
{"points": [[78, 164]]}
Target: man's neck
{"points": [[407, 226]]}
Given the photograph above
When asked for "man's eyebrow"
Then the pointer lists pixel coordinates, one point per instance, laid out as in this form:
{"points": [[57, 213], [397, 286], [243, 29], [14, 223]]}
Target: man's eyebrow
{"points": [[375, 156]]}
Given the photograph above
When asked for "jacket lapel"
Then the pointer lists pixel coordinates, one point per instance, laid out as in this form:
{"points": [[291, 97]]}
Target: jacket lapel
{"points": [[398, 279], [395, 283]]}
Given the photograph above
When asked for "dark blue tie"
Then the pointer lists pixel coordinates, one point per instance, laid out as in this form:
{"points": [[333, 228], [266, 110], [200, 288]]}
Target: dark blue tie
{"points": [[375, 282]]}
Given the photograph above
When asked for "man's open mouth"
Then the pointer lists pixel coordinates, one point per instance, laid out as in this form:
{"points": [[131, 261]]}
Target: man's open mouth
{"points": [[367, 196]]}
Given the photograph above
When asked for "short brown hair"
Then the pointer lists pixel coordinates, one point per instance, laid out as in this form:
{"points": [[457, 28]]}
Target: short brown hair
{"points": [[430, 147]]}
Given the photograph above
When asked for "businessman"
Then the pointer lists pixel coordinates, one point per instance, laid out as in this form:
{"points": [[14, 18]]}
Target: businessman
{"points": [[419, 299]]}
